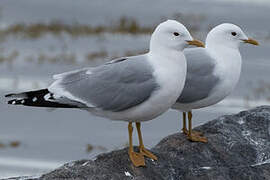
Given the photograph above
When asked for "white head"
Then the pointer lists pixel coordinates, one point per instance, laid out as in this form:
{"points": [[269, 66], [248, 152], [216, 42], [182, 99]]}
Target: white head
{"points": [[171, 35], [228, 35]]}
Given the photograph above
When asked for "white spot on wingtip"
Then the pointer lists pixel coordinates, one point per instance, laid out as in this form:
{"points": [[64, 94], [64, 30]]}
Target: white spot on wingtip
{"points": [[23, 101], [13, 102], [128, 174], [47, 96], [34, 99], [58, 91]]}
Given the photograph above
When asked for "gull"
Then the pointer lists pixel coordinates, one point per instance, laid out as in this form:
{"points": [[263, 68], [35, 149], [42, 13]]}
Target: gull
{"points": [[212, 72], [132, 89]]}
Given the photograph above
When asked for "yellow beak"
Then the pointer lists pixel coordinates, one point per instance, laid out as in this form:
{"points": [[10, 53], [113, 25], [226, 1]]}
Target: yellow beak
{"points": [[251, 41], [196, 43]]}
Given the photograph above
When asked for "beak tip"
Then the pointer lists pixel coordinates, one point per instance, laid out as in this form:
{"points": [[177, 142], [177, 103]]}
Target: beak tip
{"points": [[251, 41], [196, 43]]}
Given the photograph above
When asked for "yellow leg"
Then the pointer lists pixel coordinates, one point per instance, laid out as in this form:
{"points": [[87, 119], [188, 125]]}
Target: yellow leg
{"points": [[184, 129], [136, 158], [194, 136], [189, 123], [143, 151]]}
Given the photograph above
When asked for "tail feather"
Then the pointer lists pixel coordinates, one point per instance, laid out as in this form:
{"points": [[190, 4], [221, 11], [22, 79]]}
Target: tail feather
{"points": [[39, 98]]}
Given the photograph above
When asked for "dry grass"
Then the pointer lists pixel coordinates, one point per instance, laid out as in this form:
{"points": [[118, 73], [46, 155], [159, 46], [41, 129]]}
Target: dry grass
{"points": [[2, 145], [12, 144], [10, 57], [90, 148], [125, 25], [193, 22]]}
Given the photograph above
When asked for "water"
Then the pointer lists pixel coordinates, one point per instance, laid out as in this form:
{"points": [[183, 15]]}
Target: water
{"points": [[49, 138]]}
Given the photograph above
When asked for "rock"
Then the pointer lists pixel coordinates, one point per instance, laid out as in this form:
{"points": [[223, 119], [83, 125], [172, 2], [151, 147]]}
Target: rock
{"points": [[238, 149]]}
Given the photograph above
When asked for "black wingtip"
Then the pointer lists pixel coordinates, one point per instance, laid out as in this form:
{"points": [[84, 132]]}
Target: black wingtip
{"points": [[16, 102], [12, 102], [9, 95]]}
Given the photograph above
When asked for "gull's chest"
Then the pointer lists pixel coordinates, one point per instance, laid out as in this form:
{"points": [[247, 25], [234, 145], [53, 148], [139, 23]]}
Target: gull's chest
{"points": [[171, 79], [228, 70]]}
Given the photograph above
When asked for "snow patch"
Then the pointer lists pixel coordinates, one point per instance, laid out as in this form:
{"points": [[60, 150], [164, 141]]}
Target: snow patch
{"points": [[70, 164], [261, 163], [246, 134], [241, 121], [128, 174], [206, 167]]}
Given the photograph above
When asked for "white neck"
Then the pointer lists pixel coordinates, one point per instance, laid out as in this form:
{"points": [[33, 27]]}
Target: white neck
{"points": [[173, 62]]}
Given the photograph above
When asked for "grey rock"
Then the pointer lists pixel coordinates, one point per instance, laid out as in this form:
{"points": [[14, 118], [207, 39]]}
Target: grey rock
{"points": [[238, 149]]}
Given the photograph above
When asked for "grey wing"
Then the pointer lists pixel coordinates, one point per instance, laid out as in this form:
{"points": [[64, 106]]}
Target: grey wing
{"points": [[200, 79], [115, 86]]}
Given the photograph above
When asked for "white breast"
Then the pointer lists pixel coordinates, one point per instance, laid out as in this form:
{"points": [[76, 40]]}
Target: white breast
{"points": [[228, 70]]}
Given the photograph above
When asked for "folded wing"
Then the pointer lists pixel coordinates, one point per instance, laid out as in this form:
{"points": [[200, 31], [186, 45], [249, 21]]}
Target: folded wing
{"points": [[115, 86], [200, 78]]}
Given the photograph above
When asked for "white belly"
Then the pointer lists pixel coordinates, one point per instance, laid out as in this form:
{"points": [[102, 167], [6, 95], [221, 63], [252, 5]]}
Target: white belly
{"points": [[221, 91]]}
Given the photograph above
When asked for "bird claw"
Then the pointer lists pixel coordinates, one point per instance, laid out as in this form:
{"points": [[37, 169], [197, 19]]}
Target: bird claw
{"points": [[197, 133], [196, 138], [136, 158], [147, 153], [185, 131]]}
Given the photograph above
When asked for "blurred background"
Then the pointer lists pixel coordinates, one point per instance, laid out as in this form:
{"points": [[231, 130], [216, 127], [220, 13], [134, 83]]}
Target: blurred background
{"points": [[40, 38]]}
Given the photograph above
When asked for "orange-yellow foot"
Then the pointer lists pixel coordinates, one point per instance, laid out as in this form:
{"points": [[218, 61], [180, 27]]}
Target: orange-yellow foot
{"points": [[136, 158], [197, 133], [185, 131], [147, 153], [195, 138]]}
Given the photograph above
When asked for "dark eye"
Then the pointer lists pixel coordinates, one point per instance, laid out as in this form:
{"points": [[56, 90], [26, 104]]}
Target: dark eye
{"points": [[176, 34], [233, 33]]}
